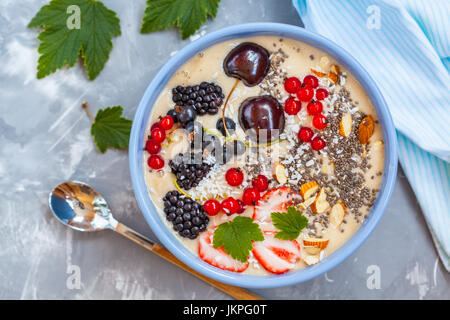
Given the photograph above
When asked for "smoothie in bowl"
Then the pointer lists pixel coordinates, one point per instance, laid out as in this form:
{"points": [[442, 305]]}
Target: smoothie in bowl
{"points": [[263, 155]]}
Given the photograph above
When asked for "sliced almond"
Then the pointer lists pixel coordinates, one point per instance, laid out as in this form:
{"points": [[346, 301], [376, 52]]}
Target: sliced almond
{"points": [[324, 61], [308, 189], [337, 214], [327, 168], [310, 260], [314, 245], [333, 77], [322, 195], [335, 69], [345, 125], [320, 205], [334, 73], [305, 204], [279, 173], [365, 130], [318, 73], [312, 250]]}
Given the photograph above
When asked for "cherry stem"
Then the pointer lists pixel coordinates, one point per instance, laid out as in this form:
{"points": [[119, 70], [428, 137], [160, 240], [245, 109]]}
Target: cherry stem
{"points": [[225, 107], [85, 107]]}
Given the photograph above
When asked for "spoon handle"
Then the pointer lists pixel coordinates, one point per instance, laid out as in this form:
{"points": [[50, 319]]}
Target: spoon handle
{"points": [[235, 292]]}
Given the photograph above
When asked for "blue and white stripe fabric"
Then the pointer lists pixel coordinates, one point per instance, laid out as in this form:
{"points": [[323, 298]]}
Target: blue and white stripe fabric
{"points": [[405, 46]]}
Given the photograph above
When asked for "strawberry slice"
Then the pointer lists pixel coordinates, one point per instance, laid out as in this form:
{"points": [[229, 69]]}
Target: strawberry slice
{"points": [[217, 257], [275, 255], [275, 200]]}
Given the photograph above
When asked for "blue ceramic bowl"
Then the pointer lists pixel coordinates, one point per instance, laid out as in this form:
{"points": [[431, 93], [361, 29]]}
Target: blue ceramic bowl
{"points": [[137, 142]]}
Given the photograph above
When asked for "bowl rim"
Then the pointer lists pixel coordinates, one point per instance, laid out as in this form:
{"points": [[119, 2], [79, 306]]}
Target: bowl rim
{"points": [[140, 123]]}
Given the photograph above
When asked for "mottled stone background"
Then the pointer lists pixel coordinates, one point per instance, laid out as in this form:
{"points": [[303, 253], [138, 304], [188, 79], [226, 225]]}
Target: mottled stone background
{"points": [[44, 140]]}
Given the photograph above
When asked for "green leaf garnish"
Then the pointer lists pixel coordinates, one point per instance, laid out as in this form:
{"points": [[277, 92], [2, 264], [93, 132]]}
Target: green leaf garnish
{"points": [[236, 237], [289, 223], [63, 40], [110, 129], [187, 15]]}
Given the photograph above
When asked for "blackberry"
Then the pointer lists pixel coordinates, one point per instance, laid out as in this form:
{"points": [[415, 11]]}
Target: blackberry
{"points": [[204, 98], [194, 127], [231, 126], [187, 215], [186, 115], [173, 114], [189, 169]]}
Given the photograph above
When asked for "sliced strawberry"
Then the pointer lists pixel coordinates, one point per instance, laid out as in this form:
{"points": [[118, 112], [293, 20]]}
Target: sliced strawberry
{"points": [[275, 200], [217, 257], [275, 255]]}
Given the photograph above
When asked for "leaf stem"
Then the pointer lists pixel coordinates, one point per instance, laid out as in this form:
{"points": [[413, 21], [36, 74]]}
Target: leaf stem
{"points": [[85, 107]]}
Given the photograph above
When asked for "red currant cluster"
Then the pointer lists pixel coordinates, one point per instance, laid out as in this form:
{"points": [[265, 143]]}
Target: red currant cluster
{"points": [[156, 137], [250, 197], [306, 92]]}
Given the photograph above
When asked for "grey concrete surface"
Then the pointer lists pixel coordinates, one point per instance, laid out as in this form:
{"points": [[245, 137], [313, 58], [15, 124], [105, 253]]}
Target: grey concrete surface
{"points": [[45, 139]]}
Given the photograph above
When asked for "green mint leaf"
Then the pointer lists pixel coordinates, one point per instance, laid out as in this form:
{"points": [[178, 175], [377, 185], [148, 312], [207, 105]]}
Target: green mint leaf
{"points": [[236, 237], [289, 223], [110, 129], [187, 15], [72, 28]]}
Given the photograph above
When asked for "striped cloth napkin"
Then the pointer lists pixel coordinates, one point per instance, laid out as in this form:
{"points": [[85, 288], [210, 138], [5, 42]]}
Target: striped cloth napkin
{"points": [[405, 46]]}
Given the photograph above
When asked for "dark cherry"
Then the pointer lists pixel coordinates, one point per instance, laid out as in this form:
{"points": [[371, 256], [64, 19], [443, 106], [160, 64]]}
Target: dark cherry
{"points": [[262, 113], [248, 62]]}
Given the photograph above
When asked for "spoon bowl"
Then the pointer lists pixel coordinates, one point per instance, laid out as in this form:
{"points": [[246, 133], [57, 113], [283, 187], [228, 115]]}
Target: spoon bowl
{"points": [[81, 207]]}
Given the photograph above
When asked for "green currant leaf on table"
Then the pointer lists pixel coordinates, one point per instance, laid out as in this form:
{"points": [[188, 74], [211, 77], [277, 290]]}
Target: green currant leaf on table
{"points": [[110, 129], [237, 237], [187, 15], [289, 223], [62, 41]]}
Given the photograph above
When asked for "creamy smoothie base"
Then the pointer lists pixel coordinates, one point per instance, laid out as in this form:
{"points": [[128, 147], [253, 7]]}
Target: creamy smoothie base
{"points": [[334, 187]]}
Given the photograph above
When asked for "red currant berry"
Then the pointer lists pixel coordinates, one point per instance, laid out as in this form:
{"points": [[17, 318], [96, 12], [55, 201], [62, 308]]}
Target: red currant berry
{"points": [[305, 94], [311, 81], [320, 121], [251, 196], [292, 84], [155, 162], [314, 107], [260, 183], [321, 94], [234, 177], [212, 207], [166, 123], [305, 134], [317, 143], [292, 106], [152, 147], [241, 206], [157, 135], [229, 206], [155, 125]]}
